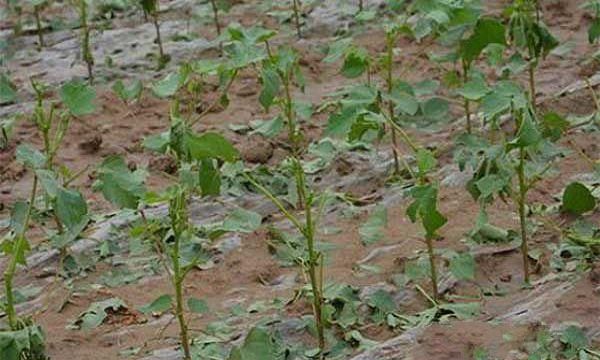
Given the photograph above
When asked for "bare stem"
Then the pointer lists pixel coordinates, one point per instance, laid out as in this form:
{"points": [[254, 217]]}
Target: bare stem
{"points": [[297, 6]]}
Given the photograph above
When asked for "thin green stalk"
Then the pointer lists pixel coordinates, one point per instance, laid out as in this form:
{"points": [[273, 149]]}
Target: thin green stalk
{"points": [[297, 5], [532, 88], [161, 52], [18, 246], [467, 103], [433, 268], [313, 256], [38, 23], [361, 5], [215, 10], [86, 52], [178, 216], [390, 85], [521, 203]]}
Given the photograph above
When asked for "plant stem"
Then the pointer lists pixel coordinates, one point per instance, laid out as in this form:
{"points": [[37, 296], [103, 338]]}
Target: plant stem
{"points": [[85, 44], [433, 268], [521, 202], [390, 85], [361, 5], [18, 248], [161, 52], [178, 214], [532, 89], [38, 23], [297, 5], [313, 258], [215, 10], [467, 103]]}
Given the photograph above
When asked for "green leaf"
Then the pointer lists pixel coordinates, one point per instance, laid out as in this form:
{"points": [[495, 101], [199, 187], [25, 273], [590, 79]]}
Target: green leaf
{"points": [[382, 301], [424, 207], [554, 126], [48, 181], [8, 91], [491, 184], [462, 266], [128, 93], [241, 220], [487, 31], [594, 31], [258, 345], [270, 87], [406, 103], [118, 184], [30, 156], [426, 161], [269, 128], [527, 135], [17, 216], [95, 315], [197, 306], [78, 97], [169, 85], [70, 208], [372, 230], [210, 178], [210, 146], [356, 63], [435, 108], [578, 199], [475, 89], [161, 304]]}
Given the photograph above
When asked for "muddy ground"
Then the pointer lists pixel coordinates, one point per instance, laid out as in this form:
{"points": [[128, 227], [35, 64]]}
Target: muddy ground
{"points": [[247, 272]]}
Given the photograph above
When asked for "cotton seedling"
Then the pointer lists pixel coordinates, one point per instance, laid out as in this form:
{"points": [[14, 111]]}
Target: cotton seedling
{"points": [[87, 56], [308, 228], [152, 8], [68, 207], [486, 31], [198, 158], [528, 33]]}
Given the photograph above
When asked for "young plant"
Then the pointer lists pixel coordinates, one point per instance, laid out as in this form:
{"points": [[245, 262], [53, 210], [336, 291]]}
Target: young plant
{"points": [[528, 33], [523, 159], [152, 8], [22, 339], [66, 205], [486, 31], [86, 50], [307, 227], [198, 158], [424, 209], [279, 73]]}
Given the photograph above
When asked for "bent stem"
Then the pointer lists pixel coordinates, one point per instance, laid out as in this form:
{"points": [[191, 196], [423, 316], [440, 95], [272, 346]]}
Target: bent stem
{"points": [[19, 246]]}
